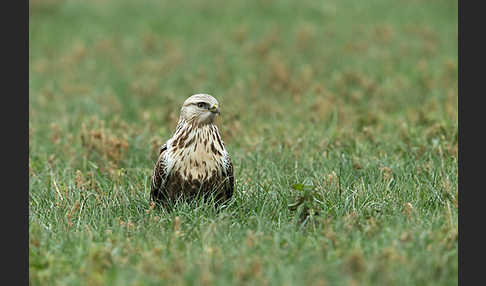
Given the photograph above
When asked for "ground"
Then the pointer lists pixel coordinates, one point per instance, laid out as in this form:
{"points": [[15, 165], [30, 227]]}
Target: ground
{"points": [[340, 117]]}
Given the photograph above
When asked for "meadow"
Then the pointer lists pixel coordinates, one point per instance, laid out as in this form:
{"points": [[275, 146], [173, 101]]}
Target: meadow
{"points": [[340, 117]]}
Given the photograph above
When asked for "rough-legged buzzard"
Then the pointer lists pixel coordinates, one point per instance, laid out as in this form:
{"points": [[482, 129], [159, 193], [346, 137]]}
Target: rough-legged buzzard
{"points": [[194, 161]]}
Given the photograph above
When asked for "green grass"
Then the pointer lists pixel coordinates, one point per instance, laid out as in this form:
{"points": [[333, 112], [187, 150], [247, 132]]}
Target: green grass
{"points": [[340, 116]]}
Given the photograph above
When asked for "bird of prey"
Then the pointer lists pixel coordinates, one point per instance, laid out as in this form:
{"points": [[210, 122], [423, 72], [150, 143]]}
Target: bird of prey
{"points": [[194, 162]]}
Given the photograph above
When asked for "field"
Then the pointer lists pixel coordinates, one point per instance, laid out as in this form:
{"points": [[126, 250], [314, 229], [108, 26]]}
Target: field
{"points": [[340, 117]]}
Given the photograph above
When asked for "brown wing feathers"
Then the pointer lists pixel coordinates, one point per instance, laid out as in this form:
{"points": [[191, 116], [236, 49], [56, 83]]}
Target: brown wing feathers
{"points": [[229, 179], [159, 176]]}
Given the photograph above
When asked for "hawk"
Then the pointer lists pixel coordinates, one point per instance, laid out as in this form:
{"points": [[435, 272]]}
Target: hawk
{"points": [[194, 161]]}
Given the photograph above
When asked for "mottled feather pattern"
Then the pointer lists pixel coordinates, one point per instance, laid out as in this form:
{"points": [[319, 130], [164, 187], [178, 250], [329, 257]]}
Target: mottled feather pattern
{"points": [[160, 171], [193, 162]]}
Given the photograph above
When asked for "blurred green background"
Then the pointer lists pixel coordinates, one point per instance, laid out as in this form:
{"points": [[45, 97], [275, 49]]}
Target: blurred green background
{"points": [[347, 106]]}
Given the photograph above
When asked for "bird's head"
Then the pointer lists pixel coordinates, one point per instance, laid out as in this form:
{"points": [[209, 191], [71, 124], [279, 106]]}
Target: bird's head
{"points": [[200, 109]]}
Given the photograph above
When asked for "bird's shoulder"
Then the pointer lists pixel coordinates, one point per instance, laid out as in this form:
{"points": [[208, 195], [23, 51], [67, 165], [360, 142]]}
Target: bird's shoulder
{"points": [[163, 148], [160, 170]]}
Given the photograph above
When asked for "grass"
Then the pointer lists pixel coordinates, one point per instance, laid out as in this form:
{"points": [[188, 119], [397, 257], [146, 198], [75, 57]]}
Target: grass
{"points": [[340, 116]]}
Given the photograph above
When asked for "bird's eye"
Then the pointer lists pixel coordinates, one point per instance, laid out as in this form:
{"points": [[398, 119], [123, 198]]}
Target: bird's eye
{"points": [[200, 104]]}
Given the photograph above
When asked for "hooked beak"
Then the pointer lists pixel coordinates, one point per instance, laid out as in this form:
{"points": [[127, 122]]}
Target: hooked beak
{"points": [[214, 109]]}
